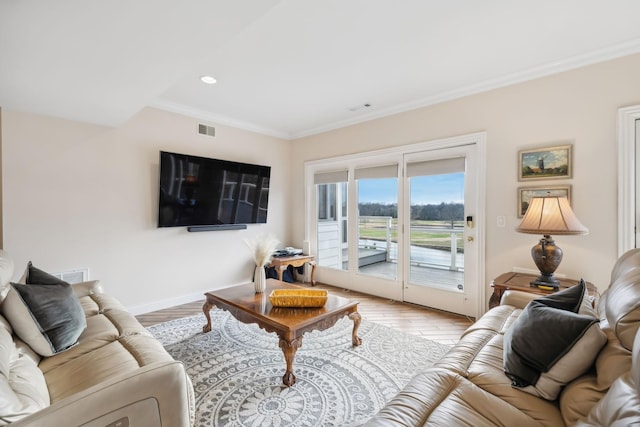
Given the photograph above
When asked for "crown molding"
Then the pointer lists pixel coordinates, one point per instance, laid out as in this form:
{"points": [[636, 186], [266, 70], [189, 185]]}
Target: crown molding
{"points": [[207, 116], [566, 64]]}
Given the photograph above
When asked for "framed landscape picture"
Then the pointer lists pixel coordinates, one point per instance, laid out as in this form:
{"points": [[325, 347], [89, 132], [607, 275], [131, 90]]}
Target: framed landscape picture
{"points": [[525, 194], [545, 163]]}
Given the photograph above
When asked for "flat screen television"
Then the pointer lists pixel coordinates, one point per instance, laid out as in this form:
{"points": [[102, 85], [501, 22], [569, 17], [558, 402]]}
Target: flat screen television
{"points": [[199, 191]]}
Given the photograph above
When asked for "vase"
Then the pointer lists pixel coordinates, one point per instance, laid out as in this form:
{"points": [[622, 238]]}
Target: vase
{"points": [[260, 279]]}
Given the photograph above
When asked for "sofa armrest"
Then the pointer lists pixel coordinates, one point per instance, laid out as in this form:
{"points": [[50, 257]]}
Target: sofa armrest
{"points": [[84, 289], [159, 394], [517, 299]]}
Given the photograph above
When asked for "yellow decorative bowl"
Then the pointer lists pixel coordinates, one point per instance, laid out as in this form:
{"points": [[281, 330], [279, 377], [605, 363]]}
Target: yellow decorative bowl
{"points": [[298, 297]]}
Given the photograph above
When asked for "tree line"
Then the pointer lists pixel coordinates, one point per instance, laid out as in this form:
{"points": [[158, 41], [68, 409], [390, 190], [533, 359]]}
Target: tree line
{"points": [[441, 212]]}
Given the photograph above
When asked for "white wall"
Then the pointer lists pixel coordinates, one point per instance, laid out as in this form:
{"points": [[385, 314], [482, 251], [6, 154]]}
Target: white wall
{"points": [[578, 107], [78, 195]]}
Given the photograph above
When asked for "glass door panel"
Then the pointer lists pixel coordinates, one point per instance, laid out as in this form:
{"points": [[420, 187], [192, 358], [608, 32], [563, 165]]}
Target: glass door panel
{"points": [[378, 227], [332, 240], [436, 255]]}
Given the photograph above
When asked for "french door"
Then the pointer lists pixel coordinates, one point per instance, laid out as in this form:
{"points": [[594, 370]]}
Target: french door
{"points": [[441, 249], [402, 223]]}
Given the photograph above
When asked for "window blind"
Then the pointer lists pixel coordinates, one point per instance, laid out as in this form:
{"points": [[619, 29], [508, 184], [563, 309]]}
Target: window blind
{"points": [[436, 167], [331, 177], [388, 171]]}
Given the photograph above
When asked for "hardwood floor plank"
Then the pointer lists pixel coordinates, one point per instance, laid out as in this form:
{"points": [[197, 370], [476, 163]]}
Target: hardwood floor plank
{"points": [[436, 325]]}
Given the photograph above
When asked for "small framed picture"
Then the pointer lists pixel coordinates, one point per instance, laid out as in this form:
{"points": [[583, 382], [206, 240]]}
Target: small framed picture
{"points": [[525, 194], [545, 163]]}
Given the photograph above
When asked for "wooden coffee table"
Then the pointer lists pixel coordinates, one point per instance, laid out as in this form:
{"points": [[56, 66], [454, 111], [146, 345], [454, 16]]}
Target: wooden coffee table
{"points": [[289, 323]]}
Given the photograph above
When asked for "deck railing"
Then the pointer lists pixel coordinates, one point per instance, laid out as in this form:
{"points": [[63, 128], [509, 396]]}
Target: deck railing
{"points": [[381, 232]]}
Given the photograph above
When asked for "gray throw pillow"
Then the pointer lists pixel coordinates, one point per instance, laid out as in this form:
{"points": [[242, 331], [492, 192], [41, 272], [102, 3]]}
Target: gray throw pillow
{"points": [[48, 317], [34, 275], [552, 342]]}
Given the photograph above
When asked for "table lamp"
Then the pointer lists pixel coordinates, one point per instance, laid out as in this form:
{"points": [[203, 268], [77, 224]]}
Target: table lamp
{"points": [[549, 215]]}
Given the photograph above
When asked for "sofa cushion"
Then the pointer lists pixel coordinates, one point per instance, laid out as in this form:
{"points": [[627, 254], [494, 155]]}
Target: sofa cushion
{"points": [[622, 307], [117, 358], [621, 405], [486, 372], [540, 362], [579, 397], [627, 261], [439, 397], [6, 272], [23, 389]]}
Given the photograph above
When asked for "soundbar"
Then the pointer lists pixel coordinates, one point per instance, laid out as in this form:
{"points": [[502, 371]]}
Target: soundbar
{"points": [[219, 227]]}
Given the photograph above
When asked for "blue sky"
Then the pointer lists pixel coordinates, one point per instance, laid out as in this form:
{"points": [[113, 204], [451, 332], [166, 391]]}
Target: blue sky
{"points": [[433, 189]]}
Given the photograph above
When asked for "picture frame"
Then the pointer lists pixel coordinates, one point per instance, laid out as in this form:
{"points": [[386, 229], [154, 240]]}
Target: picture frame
{"points": [[545, 163], [525, 194]]}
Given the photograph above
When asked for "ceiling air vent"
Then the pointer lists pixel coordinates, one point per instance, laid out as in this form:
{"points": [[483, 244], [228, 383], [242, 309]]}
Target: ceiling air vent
{"points": [[206, 130]]}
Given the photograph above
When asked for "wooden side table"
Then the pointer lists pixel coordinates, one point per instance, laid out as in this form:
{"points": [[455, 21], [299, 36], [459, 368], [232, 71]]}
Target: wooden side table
{"points": [[281, 263], [520, 282]]}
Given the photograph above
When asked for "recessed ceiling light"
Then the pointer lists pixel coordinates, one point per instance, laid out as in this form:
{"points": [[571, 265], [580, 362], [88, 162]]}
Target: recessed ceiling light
{"points": [[208, 80]]}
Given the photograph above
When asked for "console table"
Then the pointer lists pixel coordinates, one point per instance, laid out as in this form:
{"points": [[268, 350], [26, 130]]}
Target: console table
{"points": [[281, 263], [520, 282]]}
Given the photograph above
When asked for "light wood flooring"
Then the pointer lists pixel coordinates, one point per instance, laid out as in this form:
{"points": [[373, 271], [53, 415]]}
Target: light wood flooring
{"points": [[436, 325]]}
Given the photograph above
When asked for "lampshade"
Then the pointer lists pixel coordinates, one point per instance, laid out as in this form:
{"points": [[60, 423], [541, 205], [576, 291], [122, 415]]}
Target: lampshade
{"points": [[551, 215], [546, 216]]}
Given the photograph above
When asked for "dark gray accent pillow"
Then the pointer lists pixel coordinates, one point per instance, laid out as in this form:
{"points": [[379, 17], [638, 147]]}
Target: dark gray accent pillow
{"points": [[539, 338], [39, 277], [569, 299], [57, 312], [45, 313], [552, 342]]}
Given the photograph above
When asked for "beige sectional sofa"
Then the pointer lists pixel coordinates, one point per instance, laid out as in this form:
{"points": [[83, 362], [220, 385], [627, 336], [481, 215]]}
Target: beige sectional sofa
{"points": [[469, 387], [114, 374]]}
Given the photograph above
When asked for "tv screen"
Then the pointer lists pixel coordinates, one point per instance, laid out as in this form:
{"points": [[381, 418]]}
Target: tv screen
{"points": [[202, 191]]}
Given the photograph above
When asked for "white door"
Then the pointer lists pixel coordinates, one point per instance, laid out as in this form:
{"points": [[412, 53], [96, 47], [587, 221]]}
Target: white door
{"points": [[440, 265]]}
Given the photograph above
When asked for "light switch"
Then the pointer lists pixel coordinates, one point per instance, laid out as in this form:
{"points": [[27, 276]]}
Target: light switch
{"points": [[501, 221]]}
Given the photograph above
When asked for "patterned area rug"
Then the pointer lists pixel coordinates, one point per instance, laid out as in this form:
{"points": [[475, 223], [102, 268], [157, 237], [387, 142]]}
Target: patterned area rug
{"points": [[237, 371]]}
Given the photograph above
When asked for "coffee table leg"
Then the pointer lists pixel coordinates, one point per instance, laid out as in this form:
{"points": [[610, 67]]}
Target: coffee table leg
{"points": [[289, 349], [206, 308], [356, 324]]}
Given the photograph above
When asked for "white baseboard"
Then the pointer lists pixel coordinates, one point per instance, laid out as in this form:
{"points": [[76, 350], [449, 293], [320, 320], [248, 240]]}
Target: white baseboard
{"points": [[165, 303], [171, 302]]}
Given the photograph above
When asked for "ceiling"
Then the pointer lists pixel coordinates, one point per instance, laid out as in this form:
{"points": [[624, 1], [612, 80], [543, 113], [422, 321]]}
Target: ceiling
{"points": [[290, 68]]}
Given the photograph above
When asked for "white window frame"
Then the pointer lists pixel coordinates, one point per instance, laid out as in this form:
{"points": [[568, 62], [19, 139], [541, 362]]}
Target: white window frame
{"points": [[627, 166]]}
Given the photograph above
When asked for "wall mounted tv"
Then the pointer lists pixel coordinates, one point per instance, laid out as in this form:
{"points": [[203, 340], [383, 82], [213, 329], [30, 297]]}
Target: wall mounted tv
{"points": [[199, 191]]}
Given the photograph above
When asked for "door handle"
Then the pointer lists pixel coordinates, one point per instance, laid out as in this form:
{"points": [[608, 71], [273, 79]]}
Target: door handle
{"points": [[469, 238]]}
